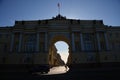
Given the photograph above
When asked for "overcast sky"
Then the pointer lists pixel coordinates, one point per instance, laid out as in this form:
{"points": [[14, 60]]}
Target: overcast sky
{"points": [[106, 10]]}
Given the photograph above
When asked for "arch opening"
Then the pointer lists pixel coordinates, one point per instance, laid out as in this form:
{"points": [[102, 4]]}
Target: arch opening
{"points": [[63, 50], [59, 56], [59, 45]]}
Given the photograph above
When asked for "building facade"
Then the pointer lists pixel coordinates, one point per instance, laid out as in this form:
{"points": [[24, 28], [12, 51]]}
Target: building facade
{"points": [[31, 42]]}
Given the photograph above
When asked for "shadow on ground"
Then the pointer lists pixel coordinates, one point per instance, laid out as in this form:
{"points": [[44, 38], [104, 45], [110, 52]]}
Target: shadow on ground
{"points": [[103, 73]]}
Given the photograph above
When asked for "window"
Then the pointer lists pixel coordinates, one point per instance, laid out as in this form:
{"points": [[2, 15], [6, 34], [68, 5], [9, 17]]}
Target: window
{"points": [[16, 47], [6, 35], [31, 37], [101, 35], [42, 47], [110, 34], [30, 47], [103, 47], [88, 39], [42, 36], [77, 46], [30, 44], [86, 36], [88, 46], [77, 36]]}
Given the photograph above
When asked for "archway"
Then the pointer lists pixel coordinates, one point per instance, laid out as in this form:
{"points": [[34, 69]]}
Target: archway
{"points": [[53, 49], [63, 50]]}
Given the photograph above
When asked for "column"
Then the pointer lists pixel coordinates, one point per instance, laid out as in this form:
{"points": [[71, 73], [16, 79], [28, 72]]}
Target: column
{"points": [[106, 41], [46, 35], [81, 41], [37, 42], [73, 42], [12, 42], [98, 41], [20, 42]]}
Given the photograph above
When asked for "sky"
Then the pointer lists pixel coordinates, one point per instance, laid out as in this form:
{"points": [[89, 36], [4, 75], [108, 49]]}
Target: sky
{"points": [[63, 50], [106, 10]]}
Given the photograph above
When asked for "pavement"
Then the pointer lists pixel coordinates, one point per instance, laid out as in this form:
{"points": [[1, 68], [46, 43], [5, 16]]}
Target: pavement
{"points": [[73, 74]]}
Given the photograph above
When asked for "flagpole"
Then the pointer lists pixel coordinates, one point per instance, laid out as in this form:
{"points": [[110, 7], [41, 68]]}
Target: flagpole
{"points": [[58, 8]]}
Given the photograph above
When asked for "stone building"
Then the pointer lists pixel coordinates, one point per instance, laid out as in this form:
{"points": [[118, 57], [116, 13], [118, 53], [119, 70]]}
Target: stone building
{"points": [[31, 42], [54, 57]]}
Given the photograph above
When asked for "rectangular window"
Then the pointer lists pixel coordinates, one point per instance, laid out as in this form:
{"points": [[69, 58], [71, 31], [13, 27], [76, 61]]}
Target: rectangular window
{"points": [[42, 47], [103, 47], [88, 36], [88, 46], [30, 43], [30, 47], [77, 46], [6, 35], [16, 47], [42, 36], [110, 34], [77, 36], [88, 39]]}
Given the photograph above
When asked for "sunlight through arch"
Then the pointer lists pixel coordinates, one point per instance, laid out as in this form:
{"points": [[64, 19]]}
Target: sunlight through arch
{"points": [[63, 50]]}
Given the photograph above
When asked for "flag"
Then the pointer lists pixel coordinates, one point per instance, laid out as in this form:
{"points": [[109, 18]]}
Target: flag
{"points": [[58, 5], [58, 8]]}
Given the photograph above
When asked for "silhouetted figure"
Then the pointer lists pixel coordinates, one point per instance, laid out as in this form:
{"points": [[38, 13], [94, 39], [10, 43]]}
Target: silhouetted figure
{"points": [[65, 67]]}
